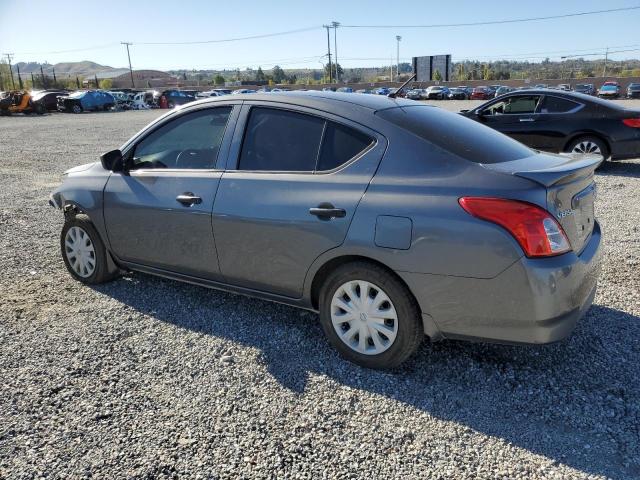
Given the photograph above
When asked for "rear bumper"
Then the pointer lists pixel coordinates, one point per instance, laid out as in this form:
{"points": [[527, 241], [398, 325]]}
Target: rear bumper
{"points": [[533, 301], [628, 147]]}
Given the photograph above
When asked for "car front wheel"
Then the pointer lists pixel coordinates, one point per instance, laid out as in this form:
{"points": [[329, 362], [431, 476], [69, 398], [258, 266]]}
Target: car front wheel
{"points": [[83, 252], [76, 108], [369, 316]]}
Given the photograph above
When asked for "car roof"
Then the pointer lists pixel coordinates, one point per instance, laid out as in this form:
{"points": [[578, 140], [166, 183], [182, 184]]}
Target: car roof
{"points": [[320, 99]]}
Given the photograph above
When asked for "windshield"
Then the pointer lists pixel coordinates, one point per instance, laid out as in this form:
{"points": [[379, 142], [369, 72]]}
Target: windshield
{"points": [[608, 87], [456, 134], [77, 94]]}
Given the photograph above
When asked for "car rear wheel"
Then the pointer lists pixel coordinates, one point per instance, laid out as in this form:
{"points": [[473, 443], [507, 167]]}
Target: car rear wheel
{"points": [[76, 108], [369, 316], [589, 145], [83, 252]]}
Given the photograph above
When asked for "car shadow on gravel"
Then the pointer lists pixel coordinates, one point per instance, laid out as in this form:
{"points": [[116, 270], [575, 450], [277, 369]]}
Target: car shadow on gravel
{"points": [[620, 169], [576, 402]]}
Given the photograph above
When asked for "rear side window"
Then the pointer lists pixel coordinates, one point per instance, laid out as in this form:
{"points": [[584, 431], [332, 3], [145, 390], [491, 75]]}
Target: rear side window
{"points": [[557, 105], [456, 134], [285, 141], [340, 145]]}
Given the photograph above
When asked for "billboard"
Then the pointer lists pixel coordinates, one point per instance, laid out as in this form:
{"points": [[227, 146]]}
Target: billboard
{"points": [[425, 67]]}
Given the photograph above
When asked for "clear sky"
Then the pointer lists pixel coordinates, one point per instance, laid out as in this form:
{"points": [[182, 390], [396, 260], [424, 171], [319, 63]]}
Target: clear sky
{"points": [[39, 30]]}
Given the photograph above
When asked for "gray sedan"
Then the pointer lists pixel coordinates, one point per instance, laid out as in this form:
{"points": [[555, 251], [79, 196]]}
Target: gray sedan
{"points": [[394, 220]]}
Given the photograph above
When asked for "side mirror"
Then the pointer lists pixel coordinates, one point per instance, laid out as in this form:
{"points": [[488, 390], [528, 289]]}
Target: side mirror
{"points": [[112, 160], [466, 110]]}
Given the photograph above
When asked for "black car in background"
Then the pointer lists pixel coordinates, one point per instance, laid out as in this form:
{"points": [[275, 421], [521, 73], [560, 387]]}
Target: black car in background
{"points": [[633, 90], [48, 98], [557, 121], [457, 93], [178, 97], [586, 88]]}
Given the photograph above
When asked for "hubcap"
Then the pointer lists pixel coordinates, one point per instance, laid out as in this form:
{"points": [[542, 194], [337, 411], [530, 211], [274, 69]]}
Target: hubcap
{"points": [[587, 147], [80, 253], [364, 317]]}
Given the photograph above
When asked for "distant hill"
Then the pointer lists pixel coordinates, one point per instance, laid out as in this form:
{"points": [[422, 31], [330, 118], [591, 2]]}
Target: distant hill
{"points": [[85, 68]]}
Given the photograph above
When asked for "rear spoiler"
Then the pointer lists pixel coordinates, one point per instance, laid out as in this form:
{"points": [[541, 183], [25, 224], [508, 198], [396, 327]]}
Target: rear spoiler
{"points": [[549, 169]]}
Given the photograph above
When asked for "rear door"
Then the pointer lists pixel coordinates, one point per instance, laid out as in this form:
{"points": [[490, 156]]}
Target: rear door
{"points": [[557, 118], [295, 178], [158, 214]]}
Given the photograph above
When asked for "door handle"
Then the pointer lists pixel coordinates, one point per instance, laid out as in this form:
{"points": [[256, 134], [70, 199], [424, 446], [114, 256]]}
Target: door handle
{"points": [[326, 211], [527, 120], [188, 199]]}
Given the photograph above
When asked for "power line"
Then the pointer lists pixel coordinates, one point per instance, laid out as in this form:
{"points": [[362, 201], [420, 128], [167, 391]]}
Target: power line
{"points": [[53, 52], [498, 22], [247, 63], [572, 51], [236, 39]]}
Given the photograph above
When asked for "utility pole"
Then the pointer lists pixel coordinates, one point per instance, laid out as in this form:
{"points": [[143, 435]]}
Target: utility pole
{"points": [[129, 57], [329, 53], [19, 77], [391, 67], [398, 38], [606, 57], [335, 47], [9, 57], [44, 80]]}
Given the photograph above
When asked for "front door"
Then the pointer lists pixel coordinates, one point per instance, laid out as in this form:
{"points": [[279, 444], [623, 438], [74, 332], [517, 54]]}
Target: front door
{"points": [[517, 117], [158, 214], [290, 194]]}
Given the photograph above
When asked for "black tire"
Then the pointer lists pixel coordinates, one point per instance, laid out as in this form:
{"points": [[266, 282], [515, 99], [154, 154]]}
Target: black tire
{"points": [[40, 109], [76, 108], [101, 272], [601, 145], [410, 330]]}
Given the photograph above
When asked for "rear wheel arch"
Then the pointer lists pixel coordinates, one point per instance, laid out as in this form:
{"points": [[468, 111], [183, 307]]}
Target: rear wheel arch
{"points": [[330, 266], [598, 136]]}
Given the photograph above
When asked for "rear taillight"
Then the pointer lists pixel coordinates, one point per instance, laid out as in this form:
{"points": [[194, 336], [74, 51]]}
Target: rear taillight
{"points": [[535, 229], [632, 122]]}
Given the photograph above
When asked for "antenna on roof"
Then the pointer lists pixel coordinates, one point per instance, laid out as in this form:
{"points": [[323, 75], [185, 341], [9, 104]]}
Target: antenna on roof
{"points": [[395, 94]]}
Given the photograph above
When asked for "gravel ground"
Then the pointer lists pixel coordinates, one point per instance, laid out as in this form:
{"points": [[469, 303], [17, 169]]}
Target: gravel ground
{"points": [[150, 378]]}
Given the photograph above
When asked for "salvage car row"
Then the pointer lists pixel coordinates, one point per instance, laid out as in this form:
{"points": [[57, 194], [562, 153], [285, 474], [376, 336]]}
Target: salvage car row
{"points": [[610, 89]]}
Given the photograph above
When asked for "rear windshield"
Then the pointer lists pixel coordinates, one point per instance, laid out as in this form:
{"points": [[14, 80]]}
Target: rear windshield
{"points": [[456, 134]]}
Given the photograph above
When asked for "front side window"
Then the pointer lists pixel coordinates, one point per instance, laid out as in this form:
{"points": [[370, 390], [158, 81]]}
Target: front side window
{"points": [[190, 141], [514, 105], [285, 141]]}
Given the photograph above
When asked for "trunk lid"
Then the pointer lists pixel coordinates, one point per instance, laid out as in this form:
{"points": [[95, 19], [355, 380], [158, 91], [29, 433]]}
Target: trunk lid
{"points": [[570, 186]]}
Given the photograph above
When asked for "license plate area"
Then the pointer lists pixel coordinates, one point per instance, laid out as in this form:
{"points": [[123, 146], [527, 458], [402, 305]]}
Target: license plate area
{"points": [[582, 205]]}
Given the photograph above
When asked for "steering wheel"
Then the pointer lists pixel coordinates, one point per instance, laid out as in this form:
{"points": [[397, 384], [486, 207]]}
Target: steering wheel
{"points": [[189, 157]]}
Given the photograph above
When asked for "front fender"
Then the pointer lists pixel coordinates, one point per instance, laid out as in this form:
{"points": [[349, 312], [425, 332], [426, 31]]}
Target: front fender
{"points": [[83, 189]]}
